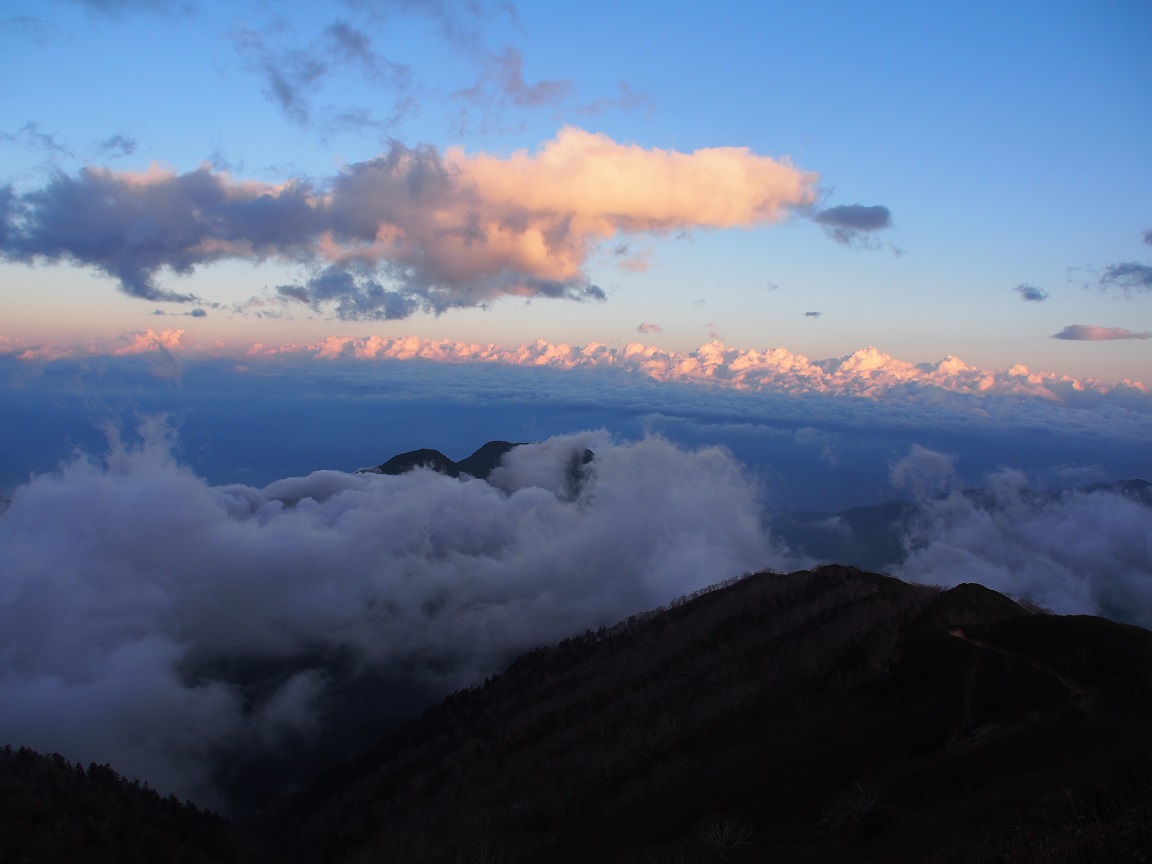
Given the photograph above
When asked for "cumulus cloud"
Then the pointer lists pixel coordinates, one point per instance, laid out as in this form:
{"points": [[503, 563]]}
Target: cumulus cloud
{"points": [[1092, 333], [164, 624], [1073, 552], [853, 224], [1031, 293], [443, 230], [867, 372], [645, 327], [812, 314]]}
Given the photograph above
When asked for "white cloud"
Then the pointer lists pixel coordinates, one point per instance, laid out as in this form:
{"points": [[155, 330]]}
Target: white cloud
{"points": [[126, 586], [1071, 552]]}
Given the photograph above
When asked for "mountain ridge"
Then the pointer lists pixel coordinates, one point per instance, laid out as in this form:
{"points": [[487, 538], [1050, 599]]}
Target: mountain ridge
{"points": [[479, 464], [829, 714]]}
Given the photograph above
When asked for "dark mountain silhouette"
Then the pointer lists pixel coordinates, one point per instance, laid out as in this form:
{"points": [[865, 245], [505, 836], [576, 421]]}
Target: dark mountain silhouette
{"points": [[827, 715], [824, 715], [478, 465], [481, 463], [51, 811]]}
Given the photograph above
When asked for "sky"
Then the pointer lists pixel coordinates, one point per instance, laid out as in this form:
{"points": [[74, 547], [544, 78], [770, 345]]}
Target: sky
{"points": [[941, 180], [757, 257]]}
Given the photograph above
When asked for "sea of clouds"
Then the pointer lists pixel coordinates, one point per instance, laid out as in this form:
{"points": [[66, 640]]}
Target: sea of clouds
{"points": [[172, 597], [125, 578]]}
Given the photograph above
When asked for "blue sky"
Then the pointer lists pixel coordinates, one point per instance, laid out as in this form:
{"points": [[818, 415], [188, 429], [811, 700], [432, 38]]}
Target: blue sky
{"points": [[1005, 144]]}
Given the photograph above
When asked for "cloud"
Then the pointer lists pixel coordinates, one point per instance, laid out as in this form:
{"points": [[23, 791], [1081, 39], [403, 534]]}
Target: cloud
{"points": [[117, 146], [1031, 293], [812, 314], [923, 473], [645, 327], [31, 136], [168, 626], [191, 313], [627, 100], [852, 224], [505, 74], [1128, 276], [1092, 333], [444, 230], [362, 299], [1071, 552], [294, 74], [866, 373], [130, 226], [1148, 236]]}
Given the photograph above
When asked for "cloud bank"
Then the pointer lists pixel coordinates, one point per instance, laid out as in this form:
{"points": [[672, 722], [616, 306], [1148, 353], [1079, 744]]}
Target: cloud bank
{"points": [[1073, 551], [410, 229], [163, 624], [867, 372]]}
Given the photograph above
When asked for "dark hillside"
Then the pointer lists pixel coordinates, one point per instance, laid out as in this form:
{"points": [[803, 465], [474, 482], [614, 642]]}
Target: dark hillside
{"points": [[51, 812], [831, 715], [824, 715], [423, 458], [479, 465]]}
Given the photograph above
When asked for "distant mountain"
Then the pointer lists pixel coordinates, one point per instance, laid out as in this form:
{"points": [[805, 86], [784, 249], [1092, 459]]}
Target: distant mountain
{"points": [[479, 465], [870, 537]]}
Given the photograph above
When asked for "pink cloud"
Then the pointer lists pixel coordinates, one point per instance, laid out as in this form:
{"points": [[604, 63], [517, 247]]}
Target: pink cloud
{"points": [[865, 373], [150, 340], [1092, 333], [441, 230]]}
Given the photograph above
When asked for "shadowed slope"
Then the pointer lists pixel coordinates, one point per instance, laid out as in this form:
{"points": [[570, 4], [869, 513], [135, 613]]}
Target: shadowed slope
{"points": [[479, 465], [831, 713]]}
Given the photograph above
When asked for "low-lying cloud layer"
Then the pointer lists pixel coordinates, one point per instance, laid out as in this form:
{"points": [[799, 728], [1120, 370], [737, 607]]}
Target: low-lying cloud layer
{"points": [[1071, 551], [866, 372], [165, 624], [410, 229], [131, 587]]}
